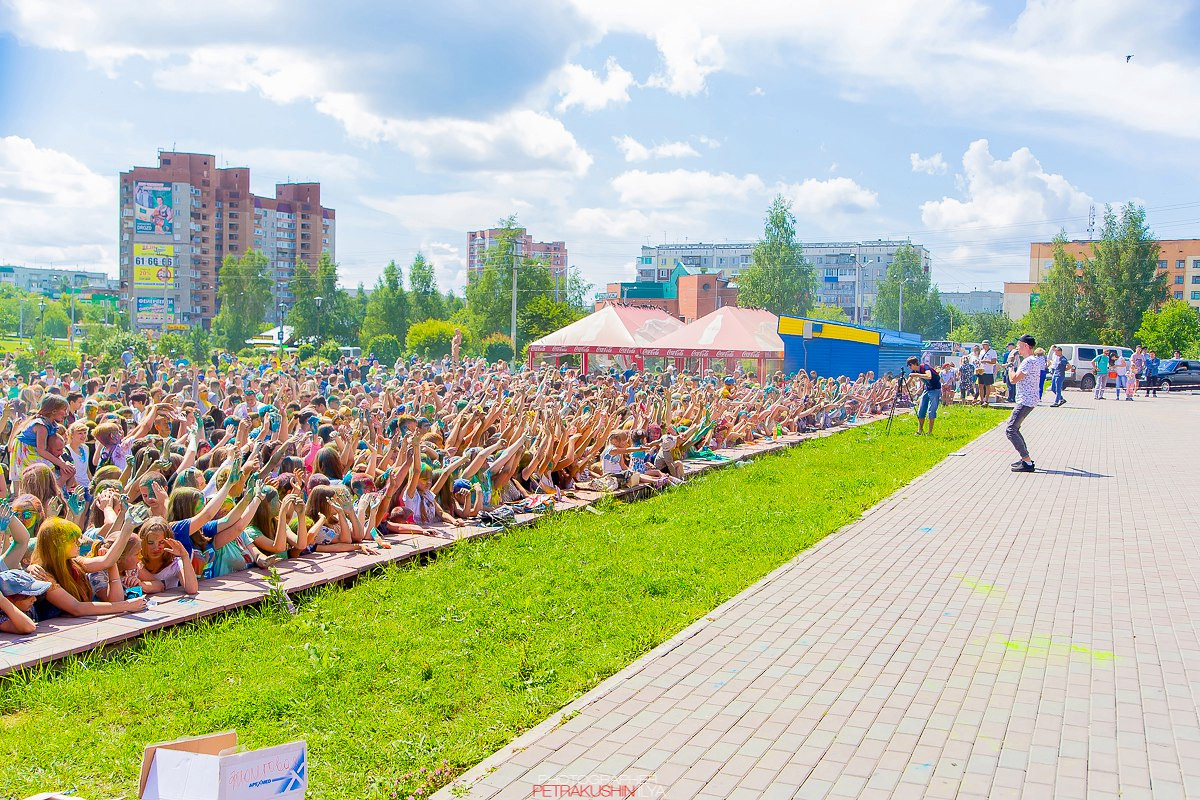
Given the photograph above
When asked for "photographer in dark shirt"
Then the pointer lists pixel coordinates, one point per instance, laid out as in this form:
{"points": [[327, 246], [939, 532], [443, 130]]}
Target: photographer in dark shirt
{"points": [[931, 397]]}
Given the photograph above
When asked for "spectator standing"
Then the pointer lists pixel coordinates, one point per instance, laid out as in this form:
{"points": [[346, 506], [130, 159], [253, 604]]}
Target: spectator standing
{"points": [[1012, 358], [1058, 374], [1151, 373], [1041, 353], [1100, 363], [1137, 368], [1024, 378], [986, 372], [1120, 365]]}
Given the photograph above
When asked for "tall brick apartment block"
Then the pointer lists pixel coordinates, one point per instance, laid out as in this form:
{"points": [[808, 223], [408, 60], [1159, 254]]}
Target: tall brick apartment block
{"points": [[179, 220]]}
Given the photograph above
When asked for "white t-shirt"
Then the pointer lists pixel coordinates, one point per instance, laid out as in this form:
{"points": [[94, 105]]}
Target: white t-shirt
{"points": [[984, 357]]}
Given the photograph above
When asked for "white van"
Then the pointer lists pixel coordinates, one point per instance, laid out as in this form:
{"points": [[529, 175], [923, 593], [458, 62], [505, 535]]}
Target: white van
{"points": [[1080, 371]]}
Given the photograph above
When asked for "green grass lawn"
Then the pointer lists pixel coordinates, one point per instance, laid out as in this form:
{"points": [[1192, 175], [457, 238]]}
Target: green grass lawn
{"points": [[453, 659]]}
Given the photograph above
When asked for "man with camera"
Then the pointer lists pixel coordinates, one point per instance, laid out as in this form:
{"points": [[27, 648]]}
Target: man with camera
{"points": [[930, 398]]}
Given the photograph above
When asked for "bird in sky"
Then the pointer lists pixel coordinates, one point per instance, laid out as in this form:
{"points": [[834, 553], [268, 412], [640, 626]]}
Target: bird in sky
{"points": [[1128, 58]]}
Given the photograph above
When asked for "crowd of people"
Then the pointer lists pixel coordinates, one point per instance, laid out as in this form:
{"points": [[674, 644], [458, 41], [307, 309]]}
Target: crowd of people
{"points": [[160, 476]]}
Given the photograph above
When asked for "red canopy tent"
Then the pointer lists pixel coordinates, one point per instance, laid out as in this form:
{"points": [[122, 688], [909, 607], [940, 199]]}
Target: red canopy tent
{"points": [[728, 332], [613, 330]]}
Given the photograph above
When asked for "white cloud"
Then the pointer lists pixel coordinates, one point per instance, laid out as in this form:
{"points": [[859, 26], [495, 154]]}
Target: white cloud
{"points": [[934, 165], [689, 56], [1008, 191], [1014, 195], [960, 56], [757, 91], [708, 141], [681, 186], [514, 139], [633, 150], [583, 87], [833, 196], [54, 209]]}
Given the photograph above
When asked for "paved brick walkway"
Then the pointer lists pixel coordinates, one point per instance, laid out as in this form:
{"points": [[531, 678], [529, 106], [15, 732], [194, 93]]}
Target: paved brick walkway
{"points": [[978, 634]]}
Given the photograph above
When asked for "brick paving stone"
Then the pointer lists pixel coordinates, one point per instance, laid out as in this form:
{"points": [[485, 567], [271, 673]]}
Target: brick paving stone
{"points": [[1039, 641]]}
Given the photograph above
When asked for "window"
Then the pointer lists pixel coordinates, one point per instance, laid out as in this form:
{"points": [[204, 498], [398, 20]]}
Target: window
{"points": [[1179, 295], [1179, 279], [1196, 295], [1196, 279], [1179, 264], [1196, 263], [1087, 353]]}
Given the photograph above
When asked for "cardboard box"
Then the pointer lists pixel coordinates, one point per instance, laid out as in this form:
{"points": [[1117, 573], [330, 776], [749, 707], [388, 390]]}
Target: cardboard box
{"points": [[212, 768]]}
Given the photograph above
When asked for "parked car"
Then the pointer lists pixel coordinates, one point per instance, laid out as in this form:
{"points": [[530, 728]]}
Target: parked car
{"points": [[1176, 373], [1080, 371]]}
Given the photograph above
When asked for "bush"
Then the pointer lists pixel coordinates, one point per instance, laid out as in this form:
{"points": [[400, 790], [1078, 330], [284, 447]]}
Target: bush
{"points": [[26, 363], [430, 339], [64, 362], [305, 351], [496, 347], [248, 354], [330, 351], [386, 348], [172, 345]]}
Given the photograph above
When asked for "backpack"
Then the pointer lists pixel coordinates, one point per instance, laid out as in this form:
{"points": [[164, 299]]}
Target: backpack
{"points": [[500, 515]]}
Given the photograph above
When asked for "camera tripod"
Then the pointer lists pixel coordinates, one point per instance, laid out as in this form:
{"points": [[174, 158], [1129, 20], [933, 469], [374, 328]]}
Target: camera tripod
{"points": [[901, 391]]}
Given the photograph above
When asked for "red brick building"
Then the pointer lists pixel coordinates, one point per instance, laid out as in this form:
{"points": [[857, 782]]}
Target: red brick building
{"points": [[686, 295]]}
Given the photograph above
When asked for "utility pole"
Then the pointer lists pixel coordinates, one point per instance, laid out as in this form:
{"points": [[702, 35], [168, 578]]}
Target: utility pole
{"points": [[900, 323], [513, 325]]}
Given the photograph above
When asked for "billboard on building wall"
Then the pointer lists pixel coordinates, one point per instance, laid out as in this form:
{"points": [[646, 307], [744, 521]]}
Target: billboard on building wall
{"points": [[152, 211], [150, 310], [153, 265]]}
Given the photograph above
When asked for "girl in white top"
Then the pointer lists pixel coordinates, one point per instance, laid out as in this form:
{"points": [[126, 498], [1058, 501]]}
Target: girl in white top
{"points": [[77, 435], [1121, 365]]}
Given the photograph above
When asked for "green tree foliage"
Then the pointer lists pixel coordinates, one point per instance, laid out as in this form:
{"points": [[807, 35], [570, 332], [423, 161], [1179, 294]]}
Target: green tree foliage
{"points": [[541, 316], [1122, 280], [340, 316], [245, 297], [386, 348], [496, 347], [425, 300], [489, 293], [199, 345], [1176, 326], [387, 308], [172, 345], [430, 339], [329, 351], [113, 345], [778, 278], [996, 327], [831, 313], [924, 312], [1063, 313]]}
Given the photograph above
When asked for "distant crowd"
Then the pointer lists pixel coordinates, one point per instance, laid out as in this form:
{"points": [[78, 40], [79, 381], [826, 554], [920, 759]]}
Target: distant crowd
{"points": [[162, 475]]}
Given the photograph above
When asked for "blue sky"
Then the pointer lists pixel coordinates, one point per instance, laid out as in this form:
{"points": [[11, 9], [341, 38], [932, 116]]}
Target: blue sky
{"points": [[968, 127]]}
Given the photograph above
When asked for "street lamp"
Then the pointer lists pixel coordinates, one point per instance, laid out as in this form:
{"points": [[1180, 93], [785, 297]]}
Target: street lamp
{"points": [[282, 312], [319, 300], [42, 316]]}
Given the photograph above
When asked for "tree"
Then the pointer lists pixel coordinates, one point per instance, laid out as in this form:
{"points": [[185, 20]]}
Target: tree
{"points": [[1176, 326], [541, 316], [995, 326], [1122, 280], [386, 348], [245, 297], [778, 278], [489, 293], [199, 345], [387, 308], [340, 316], [430, 339], [496, 347], [924, 312], [1062, 313], [424, 298], [172, 345], [831, 313]]}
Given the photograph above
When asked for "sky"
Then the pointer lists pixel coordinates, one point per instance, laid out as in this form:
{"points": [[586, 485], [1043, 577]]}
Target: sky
{"points": [[970, 128]]}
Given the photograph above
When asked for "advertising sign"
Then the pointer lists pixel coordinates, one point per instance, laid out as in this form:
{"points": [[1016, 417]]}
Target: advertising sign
{"points": [[153, 266], [212, 768], [152, 211], [150, 310]]}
